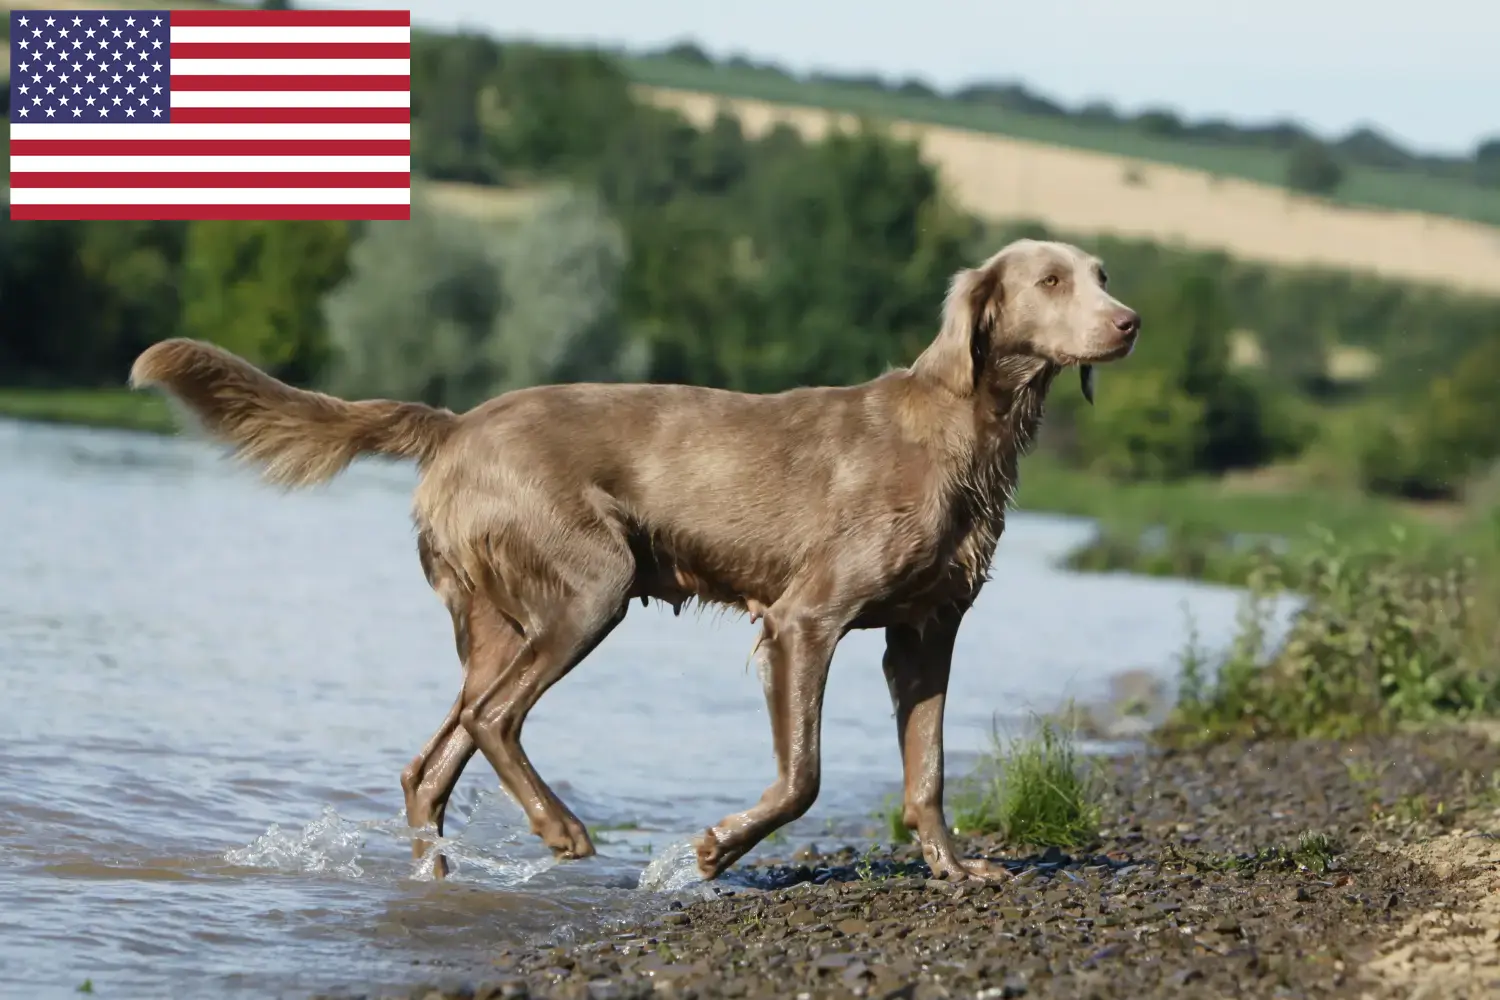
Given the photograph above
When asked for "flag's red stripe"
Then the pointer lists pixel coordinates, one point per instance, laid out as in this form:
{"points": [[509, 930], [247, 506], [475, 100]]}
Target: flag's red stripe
{"points": [[330, 82], [210, 147], [279, 116], [291, 18], [208, 179], [210, 212], [290, 50]]}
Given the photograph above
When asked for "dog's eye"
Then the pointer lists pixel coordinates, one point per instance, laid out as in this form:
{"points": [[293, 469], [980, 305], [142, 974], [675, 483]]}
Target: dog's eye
{"points": [[1050, 281]]}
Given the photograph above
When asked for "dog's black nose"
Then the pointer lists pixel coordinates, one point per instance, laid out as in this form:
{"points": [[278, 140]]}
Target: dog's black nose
{"points": [[1128, 322]]}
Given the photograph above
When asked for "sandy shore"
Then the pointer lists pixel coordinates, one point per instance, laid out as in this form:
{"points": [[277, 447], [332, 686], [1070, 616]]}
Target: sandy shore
{"points": [[1209, 881]]}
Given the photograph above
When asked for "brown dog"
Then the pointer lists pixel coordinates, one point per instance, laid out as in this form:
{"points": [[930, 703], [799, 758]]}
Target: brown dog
{"points": [[542, 512]]}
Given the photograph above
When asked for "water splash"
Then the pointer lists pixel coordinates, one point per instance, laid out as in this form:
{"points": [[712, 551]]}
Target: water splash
{"points": [[674, 869], [329, 843]]}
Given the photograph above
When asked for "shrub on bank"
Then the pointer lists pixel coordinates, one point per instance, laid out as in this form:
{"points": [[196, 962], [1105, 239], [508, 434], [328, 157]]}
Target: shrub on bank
{"points": [[1384, 638]]}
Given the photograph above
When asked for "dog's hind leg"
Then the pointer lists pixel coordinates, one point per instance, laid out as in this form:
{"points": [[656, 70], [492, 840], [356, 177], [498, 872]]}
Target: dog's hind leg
{"points": [[562, 632], [429, 779]]}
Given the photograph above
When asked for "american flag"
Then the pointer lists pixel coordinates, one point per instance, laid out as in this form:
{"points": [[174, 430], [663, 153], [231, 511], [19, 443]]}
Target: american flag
{"points": [[210, 114]]}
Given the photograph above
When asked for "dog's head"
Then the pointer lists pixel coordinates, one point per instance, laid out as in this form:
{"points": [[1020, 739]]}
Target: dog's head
{"points": [[1032, 299]]}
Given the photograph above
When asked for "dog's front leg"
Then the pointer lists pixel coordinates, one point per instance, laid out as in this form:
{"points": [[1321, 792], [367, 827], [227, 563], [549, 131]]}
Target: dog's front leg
{"points": [[916, 669], [794, 651]]}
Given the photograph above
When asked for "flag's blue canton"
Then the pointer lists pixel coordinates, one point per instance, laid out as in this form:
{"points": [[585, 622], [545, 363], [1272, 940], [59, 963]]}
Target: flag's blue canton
{"points": [[90, 66]]}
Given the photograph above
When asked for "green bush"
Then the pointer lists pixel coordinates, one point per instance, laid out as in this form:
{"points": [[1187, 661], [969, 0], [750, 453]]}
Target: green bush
{"points": [[1384, 638], [1313, 169], [1140, 427]]}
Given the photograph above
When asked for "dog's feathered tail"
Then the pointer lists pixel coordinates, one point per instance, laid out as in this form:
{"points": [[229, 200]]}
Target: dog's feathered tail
{"points": [[297, 437]]}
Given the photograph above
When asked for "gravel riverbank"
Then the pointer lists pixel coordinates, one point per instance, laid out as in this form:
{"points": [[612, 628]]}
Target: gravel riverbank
{"points": [[1310, 869]]}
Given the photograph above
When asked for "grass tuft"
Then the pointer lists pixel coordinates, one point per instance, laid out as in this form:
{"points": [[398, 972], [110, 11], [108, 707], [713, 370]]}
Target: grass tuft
{"points": [[1035, 790]]}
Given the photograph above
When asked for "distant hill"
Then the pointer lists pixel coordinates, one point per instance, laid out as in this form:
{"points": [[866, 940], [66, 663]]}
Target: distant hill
{"points": [[1084, 191], [1378, 171]]}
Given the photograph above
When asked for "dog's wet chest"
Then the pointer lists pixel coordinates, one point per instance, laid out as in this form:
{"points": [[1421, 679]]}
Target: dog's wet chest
{"points": [[951, 576]]}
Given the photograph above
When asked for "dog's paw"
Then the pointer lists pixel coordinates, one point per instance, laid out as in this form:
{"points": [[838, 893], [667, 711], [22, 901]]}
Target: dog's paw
{"points": [[711, 861], [972, 870]]}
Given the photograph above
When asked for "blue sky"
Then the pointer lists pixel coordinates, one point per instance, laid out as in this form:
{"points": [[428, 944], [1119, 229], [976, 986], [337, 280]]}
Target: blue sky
{"points": [[1425, 72]]}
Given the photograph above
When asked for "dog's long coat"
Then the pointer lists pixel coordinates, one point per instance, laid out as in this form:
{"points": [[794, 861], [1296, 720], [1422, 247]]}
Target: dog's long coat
{"points": [[542, 513]]}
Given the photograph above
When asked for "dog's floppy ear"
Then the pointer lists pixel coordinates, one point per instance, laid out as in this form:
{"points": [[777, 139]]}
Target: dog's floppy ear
{"points": [[957, 356]]}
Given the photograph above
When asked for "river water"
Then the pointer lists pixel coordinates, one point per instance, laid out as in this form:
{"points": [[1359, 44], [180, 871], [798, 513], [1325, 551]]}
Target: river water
{"points": [[208, 690]]}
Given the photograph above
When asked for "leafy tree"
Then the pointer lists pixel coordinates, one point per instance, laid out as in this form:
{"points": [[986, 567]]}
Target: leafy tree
{"points": [[854, 246], [560, 273], [256, 288], [450, 311], [1142, 426], [1311, 168], [1487, 162]]}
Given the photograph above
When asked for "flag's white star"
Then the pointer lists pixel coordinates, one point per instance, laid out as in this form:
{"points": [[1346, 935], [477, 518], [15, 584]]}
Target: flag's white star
{"points": [[62, 32], [77, 21], [116, 54], [156, 21], [22, 89], [156, 43], [117, 78], [89, 101], [117, 32], [77, 112], [50, 88], [156, 112], [145, 99], [89, 33], [156, 67], [25, 112], [51, 44], [115, 99], [130, 43], [51, 66], [104, 21], [51, 112], [24, 21], [21, 42], [89, 78], [63, 99], [156, 89], [130, 89], [130, 112], [51, 21], [130, 22]]}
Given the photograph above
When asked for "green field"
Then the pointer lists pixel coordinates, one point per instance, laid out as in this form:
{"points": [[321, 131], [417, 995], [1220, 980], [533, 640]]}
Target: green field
{"points": [[120, 408], [1364, 186]]}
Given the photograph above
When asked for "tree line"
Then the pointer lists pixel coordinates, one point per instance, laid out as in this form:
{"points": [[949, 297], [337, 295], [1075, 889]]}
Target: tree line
{"points": [[653, 250]]}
